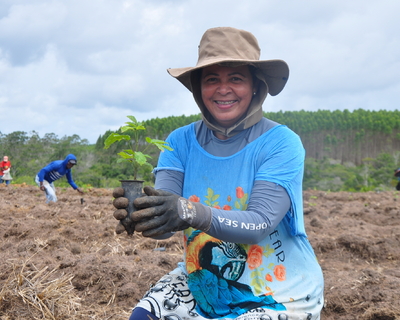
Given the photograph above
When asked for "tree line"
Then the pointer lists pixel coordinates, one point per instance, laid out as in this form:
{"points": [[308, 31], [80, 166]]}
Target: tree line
{"points": [[354, 151]]}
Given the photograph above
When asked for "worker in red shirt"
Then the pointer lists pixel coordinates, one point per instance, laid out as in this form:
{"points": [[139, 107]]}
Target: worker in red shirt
{"points": [[5, 166]]}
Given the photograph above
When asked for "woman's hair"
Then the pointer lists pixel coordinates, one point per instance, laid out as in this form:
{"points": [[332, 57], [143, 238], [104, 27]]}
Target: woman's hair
{"points": [[195, 76]]}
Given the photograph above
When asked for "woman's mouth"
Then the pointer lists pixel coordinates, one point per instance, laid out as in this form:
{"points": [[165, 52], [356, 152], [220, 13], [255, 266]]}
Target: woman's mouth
{"points": [[225, 104]]}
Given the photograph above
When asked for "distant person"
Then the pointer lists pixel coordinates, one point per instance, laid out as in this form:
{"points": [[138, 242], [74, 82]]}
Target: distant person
{"points": [[397, 174], [7, 175], [54, 171], [5, 167]]}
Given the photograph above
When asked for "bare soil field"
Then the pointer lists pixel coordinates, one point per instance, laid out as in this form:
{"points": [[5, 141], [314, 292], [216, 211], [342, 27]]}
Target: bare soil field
{"points": [[64, 261]]}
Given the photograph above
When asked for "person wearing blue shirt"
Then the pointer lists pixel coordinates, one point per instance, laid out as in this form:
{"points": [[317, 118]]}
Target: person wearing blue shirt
{"points": [[54, 171], [233, 186]]}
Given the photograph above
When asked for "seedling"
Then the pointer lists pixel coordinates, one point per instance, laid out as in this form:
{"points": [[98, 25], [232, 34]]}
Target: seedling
{"points": [[133, 155]]}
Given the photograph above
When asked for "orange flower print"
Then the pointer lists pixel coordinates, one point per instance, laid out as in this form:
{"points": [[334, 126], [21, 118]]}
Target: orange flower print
{"points": [[269, 278], [194, 198], [217, 207], [226, 207], [229, 198], [280, 272], [239, 192], [254, 257]]}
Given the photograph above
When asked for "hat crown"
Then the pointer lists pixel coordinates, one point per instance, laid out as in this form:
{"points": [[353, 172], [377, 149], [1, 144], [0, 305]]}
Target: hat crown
{"points": [[227, 44]]}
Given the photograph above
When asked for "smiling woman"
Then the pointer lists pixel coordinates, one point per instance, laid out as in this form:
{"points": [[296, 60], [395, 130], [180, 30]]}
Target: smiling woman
{"points": [[233, 185], [226, 93]]}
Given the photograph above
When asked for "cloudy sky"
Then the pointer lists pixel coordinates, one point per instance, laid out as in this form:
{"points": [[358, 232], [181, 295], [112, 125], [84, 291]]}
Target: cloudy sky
{"points": [[81, 66]]}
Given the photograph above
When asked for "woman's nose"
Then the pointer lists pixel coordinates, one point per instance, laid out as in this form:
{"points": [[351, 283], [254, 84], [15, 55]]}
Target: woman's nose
{"points": [[224, 88]]}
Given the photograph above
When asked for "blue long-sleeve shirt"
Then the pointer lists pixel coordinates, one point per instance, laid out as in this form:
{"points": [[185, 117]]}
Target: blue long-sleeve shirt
{"points": [[56, 170], [252, 188], [269, 202]]}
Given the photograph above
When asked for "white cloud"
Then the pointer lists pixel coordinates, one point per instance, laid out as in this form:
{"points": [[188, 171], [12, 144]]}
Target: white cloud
{"points": [[80, 67]]}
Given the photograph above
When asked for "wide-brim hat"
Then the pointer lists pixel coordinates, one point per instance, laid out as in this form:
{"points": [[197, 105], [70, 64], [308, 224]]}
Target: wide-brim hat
{"points": [[234, 47]]}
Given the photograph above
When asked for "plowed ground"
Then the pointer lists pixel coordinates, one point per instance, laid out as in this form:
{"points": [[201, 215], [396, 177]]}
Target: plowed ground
{"points": [[64, 260]]}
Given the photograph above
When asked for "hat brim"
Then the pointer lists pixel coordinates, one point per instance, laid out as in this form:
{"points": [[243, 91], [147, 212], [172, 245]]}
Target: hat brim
{"points": [[276, 72]]}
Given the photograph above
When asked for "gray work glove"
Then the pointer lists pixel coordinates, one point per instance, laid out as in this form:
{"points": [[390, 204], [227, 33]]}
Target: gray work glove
{"points": [[121, 214], [164, 212]]}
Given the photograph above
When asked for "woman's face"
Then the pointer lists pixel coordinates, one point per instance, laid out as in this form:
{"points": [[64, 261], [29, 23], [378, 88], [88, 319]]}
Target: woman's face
{"points": [[226, 92]]}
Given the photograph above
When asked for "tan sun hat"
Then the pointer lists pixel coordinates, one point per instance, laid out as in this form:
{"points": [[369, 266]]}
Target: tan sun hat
{"points": [[226, 45]]}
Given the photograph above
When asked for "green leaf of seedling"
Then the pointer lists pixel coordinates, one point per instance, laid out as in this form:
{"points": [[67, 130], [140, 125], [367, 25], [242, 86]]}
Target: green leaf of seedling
{"points": [[140, 158], [134, 156], [132, 126], [132, 118], [126, 154], [126, 128], [160, 144], [130, 152], [114, 137]]}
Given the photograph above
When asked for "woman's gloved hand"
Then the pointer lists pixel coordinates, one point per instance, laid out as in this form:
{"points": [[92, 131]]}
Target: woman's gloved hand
{"points": [[121, 214], [163, 212]]}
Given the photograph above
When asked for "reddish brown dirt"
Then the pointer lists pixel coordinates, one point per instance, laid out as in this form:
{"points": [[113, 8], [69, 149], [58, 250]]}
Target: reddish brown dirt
{"points": [[356, 237]]}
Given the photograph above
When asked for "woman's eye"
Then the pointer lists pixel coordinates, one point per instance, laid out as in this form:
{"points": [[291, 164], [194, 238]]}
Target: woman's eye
{"points": [[210, 80], [236, 79]]}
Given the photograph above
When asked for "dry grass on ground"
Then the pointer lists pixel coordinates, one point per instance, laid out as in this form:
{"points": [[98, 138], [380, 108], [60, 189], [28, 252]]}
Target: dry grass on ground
{"points": [[64, 260]]}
